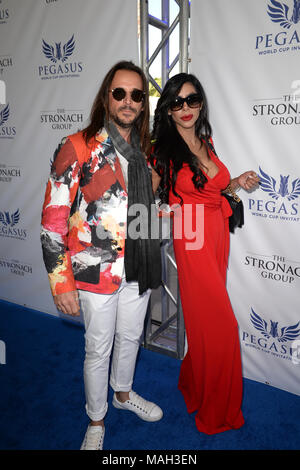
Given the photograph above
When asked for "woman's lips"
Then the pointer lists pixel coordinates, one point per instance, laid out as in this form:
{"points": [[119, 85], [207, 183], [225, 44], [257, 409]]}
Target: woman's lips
{"points": [[188, 117]]}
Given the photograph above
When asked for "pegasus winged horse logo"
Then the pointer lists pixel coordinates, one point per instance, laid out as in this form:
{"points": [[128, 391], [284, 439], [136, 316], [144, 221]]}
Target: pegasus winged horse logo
{"points": [[4, 115], [287, 333], [8, 219], [279, 13], [59, 53], [268, 184]]}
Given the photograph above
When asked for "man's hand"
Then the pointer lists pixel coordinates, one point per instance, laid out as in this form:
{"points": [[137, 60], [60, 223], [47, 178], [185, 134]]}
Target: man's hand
{"points": [[68, 303]]}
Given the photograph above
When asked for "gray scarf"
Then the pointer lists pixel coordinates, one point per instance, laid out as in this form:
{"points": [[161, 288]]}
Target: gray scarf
{"points": [[142, 255]]}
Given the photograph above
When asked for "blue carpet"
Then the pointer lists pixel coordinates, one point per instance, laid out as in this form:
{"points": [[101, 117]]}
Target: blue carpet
{"points": [[42, 397]]}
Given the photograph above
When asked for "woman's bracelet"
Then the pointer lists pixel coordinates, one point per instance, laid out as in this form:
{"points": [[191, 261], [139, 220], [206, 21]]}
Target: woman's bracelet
{"points": [[229, 188]]}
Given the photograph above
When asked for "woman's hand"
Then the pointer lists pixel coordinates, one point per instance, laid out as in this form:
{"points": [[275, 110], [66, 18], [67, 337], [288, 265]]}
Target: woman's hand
{"points": [[248, 180]]}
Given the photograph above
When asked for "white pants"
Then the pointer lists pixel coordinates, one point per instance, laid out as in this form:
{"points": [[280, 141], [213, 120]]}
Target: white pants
{"points": [[116, 318]]}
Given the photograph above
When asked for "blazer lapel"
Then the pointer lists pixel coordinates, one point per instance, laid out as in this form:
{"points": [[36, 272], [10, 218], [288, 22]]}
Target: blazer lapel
{"points": [[111, 157]]}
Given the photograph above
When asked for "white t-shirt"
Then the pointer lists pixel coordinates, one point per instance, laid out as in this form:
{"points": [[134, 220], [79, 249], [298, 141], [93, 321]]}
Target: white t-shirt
{"points": [[124, 166]]}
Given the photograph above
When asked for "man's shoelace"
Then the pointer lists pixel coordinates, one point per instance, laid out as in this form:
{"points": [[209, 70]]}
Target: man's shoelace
{"points": [[94, 439], [139, 402]]}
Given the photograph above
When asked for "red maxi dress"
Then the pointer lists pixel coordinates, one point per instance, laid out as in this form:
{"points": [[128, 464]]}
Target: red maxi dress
{"points": [[211, 375]]}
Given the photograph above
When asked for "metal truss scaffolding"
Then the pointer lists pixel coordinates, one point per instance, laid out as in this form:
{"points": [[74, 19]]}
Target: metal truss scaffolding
{"points": [[164, 326], [163, 24]]}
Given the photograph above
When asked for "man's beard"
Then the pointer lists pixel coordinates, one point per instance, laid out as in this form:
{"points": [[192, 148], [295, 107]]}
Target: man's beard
{"points": [[122, 124]]}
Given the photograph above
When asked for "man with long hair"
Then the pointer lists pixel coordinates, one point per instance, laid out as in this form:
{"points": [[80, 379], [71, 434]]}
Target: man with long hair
{"points": [[94, 263]]}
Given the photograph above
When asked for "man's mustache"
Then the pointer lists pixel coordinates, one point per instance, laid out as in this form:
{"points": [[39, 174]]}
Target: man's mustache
{"points": [[128, 108]]}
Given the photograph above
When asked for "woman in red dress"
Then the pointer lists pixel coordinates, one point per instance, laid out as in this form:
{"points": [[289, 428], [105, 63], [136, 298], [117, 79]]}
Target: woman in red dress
{"points": [[190, 174]]}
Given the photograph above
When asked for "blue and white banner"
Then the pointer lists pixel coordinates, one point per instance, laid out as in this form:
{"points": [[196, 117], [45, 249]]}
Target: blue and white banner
{"points": [[54, 55], [247, 54]]}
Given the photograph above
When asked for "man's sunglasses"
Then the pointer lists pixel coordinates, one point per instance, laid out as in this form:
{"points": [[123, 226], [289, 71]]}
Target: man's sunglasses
{"points": [[136, 95], [193, 101]]}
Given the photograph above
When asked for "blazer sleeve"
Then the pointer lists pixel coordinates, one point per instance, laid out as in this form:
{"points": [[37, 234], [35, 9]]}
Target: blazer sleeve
{"points": [[61, 190]]}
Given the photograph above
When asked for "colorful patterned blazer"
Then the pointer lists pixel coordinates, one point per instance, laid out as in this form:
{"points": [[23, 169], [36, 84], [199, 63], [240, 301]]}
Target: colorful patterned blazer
{"points": [[84, 217]]}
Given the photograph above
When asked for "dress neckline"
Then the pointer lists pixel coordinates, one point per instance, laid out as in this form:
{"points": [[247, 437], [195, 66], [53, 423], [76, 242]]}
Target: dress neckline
{"points": [[215, 159]]}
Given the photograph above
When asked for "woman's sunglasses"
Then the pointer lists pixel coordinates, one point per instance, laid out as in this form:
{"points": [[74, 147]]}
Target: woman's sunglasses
{"points": [[193, 101], [136, 95]]}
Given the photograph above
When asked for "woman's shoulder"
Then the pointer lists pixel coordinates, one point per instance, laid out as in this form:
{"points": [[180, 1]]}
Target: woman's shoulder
{"points": [[211, 147]]}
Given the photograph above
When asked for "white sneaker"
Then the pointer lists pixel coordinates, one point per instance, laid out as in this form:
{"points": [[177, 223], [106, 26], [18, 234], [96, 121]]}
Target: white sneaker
{"points": [[93, 439], [146, 410]]}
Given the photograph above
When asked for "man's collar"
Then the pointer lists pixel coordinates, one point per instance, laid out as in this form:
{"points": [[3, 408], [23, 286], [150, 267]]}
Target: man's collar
{"points": [[101, 135]]}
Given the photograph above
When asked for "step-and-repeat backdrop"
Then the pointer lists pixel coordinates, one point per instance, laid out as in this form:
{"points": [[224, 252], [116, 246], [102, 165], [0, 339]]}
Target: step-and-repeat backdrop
{"points": [[247, 55], [53, 57]]}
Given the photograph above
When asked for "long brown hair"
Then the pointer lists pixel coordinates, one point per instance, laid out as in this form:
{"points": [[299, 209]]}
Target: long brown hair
{"points": [[100, 106]]}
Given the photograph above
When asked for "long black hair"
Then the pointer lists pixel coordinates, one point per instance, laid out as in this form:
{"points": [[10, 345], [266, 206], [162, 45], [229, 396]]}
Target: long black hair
{"points": [[170, 150]]}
